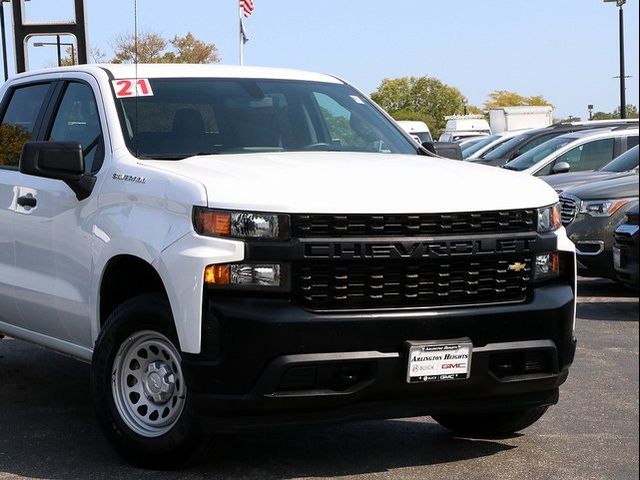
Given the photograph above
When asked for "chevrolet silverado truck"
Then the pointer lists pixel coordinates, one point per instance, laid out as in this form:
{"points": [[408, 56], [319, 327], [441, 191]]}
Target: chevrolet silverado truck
{"points": [[235, 248]]}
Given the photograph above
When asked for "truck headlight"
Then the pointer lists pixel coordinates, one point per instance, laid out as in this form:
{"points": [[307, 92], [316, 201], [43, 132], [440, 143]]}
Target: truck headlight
{"points": [[546, 266], [256, 225], [248, 275], [604, 208], [549, 218]]}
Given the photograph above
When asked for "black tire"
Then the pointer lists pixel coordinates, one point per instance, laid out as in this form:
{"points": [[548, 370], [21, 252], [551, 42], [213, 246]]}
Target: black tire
{"points": [[185, 442], [491, 425]]}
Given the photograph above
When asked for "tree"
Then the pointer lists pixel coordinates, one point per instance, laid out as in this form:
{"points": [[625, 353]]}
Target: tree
{"points": [[419, 98], [154, 48], [505, 98], [12, 139], [148, 48], [631, 110]]}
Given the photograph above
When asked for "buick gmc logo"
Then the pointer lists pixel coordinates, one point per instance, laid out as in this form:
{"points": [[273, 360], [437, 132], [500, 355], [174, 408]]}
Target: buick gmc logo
{"points": [[422, 249]]}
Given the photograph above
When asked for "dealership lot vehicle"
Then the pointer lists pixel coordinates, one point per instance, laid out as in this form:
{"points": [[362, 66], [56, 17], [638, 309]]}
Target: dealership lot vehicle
{"points": [[621, 165], [225, 259], [49, 429], [487, 144], [419, 130], [590, 213], [515, 147], [625, 249], [575, 152]]}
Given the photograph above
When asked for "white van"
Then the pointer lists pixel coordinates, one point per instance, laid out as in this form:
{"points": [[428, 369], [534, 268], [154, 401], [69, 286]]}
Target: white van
{"points": [[418, 130], [462, 126]]}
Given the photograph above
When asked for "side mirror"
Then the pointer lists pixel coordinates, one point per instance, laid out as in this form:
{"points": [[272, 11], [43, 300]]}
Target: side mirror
{"points": [[444, 149], [59, 161], [561, 167]]}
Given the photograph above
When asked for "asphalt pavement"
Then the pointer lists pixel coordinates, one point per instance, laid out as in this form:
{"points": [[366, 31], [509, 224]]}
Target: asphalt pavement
{"points": [[48, 429]]}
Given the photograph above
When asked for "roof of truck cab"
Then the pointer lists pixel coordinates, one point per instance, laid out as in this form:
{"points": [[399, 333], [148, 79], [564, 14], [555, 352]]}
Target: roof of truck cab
{"points": [[164, 70]]}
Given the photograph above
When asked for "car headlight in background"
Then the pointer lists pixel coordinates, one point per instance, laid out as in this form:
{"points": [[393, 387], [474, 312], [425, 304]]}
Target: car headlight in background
{"points": [[242, 225], [549, 218], [604, 208]]}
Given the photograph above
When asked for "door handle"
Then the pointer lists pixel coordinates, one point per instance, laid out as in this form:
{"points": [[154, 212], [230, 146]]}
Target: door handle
{"points": [[27, 201]]}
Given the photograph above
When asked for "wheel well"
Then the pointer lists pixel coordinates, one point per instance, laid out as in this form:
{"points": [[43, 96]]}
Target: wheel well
{"points": [[126, 277]]}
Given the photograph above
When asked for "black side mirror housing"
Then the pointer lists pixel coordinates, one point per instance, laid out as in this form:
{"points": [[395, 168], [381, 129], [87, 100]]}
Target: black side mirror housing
{"points": [[59, 161], [444, 149], [561, 167]]}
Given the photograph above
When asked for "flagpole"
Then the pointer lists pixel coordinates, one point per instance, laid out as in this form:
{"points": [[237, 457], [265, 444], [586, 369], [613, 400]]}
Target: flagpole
{"points": [[241, 39]]}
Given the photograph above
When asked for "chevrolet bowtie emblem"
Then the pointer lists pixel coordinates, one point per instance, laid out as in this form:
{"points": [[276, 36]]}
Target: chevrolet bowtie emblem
{"points": [[517, 267]]}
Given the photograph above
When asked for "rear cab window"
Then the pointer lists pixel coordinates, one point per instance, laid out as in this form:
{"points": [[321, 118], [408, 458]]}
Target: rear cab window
{"points": [[24, 104]]}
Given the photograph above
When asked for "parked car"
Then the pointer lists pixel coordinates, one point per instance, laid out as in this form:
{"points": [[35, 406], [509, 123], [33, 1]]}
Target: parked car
{"points": [[418, 130], [590, 213], [621, 165], [575, 152], [227, 259], [489, 143], [531, 139], [625, 249]]}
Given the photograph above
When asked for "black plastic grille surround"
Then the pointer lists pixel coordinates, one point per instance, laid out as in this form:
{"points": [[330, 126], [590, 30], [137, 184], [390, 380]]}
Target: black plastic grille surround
{"points": [[319, 226], [328, 286]]}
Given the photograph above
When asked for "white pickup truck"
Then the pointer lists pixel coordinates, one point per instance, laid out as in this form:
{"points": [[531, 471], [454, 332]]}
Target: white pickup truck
{"points": [[233, 248]]}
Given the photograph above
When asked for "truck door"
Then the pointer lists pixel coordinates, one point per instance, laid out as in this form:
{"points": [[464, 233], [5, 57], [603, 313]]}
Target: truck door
{"points": [[53, 236], [20, 111]]}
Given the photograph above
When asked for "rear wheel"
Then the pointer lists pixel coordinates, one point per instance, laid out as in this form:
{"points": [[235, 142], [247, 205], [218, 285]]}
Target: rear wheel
{"points": [[491, 424], [139, 393]]}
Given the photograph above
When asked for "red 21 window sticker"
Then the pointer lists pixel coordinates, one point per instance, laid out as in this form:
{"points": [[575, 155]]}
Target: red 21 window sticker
{"points": [[132, 87]]}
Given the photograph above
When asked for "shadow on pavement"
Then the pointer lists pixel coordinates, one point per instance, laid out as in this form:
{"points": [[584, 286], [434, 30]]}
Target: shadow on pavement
{"points": [[606, 300], [48, 430]]}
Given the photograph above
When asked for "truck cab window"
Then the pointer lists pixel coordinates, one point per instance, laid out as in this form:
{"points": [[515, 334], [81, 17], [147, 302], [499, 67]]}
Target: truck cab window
{"points": [[19, 120], [77, 120]]}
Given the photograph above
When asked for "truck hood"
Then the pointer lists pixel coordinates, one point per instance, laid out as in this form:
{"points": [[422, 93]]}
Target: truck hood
{"points": [[345, 182]]}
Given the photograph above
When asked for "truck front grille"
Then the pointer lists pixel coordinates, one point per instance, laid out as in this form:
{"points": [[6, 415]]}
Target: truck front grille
{"points": [[327, 286], [568, 210], [321, 226]]}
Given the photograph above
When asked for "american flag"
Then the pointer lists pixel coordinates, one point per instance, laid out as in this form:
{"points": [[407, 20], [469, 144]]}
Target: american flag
{"points": [[246, 8]]}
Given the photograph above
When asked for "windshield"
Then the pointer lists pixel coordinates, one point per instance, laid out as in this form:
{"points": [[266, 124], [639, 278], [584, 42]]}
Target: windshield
{"points": [[623, 163], [423, 136], [185, 117], [533, 156], [504, 150], [467, 151]]}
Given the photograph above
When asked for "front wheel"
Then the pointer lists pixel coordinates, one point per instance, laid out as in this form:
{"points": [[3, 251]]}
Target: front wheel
{"points": [[139, 392], [489, 425]]}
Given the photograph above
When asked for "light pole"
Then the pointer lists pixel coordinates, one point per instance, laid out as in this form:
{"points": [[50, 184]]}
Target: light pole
{"points": [[623, 100], [59, 44], [4, 40]]}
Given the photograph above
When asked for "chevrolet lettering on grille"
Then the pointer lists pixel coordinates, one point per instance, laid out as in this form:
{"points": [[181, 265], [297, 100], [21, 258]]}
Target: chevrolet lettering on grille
{"points": [[415, 250]]}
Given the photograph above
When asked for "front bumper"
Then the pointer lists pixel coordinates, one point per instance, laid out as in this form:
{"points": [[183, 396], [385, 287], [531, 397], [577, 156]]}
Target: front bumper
{"points": [[593, 237], [267, 362]]}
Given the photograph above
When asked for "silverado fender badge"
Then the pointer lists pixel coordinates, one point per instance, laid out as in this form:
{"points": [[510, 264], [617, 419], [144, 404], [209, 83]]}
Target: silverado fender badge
{"points": [[129, 178]]}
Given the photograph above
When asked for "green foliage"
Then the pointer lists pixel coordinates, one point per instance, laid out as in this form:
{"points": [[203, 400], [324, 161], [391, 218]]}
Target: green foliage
{"points": [[419, 98], [12, 139], [631, 110], [505, 98]]}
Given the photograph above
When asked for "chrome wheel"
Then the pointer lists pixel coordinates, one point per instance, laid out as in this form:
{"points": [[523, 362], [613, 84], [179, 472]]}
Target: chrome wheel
{"points": [[147, 383]]}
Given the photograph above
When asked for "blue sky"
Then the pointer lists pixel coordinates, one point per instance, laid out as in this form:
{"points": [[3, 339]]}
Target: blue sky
{"points": [[565, 50]]}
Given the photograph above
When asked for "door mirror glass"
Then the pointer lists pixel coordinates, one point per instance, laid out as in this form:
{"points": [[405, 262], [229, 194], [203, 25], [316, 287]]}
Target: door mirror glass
{"points": [[444, 149], [561, 167]]}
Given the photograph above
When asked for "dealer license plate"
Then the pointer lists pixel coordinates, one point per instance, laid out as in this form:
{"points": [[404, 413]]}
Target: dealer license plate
{"points": [[435, 361], [617, 257]]}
